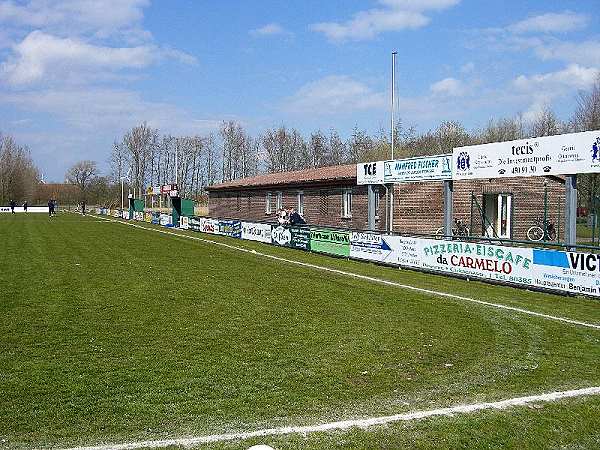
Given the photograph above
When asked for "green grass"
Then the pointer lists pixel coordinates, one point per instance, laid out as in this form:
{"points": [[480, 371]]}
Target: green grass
{"points": [[111, 333]]}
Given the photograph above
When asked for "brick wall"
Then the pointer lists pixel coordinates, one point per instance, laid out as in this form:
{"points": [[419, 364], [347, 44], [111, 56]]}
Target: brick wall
{"points": [[322, 204], [418, 207]]}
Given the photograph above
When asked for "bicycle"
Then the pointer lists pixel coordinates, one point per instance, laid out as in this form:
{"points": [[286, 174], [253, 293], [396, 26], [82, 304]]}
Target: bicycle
{"points": [[542, 230], [459, 229]]}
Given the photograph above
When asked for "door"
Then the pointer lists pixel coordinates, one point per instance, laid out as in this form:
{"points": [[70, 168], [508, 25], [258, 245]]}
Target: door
{"points": [[504, 216]]}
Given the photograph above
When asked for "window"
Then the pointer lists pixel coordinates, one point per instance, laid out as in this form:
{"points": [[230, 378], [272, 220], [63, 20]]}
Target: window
{"points": [[347, 203], [301, 203], [279, 204], [268, 203], [324, 204]]}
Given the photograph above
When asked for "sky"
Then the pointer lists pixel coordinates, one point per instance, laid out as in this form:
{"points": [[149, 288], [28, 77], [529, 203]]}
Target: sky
{"points": [[75, 75]]}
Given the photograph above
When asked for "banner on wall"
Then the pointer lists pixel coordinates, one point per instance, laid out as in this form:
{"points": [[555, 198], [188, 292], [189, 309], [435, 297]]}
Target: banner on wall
{"points": [[148, 217], [550, 155], [260, 232], [231, 228], [165, 220], [333, 242]]}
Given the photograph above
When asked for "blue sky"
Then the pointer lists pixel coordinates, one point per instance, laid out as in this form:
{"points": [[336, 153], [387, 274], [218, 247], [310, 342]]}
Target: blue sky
{"points": [[76, 74]]}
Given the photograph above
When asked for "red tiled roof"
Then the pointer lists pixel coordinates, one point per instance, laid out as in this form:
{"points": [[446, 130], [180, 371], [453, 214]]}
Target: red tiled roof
{"points": [[331, 173]]}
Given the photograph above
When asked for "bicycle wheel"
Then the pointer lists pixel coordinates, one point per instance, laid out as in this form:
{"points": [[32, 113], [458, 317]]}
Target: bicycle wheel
{"points": [[535, 233]]}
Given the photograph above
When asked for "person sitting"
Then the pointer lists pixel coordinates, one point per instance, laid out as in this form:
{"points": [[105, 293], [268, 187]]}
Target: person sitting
{"points": [[296, 218]]}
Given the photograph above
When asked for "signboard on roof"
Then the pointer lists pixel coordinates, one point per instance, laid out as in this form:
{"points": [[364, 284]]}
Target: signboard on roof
{"points": [[565, 154], [425, 168]]}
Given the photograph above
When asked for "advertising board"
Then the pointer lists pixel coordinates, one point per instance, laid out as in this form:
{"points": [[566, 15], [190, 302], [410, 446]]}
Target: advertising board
{"points": [[30, 209], [300, 237], [369, 173], [165, 220], [550, 155], [210, 226], [333, 242], [370, 246], [260, 232], [426, 168], [184, 222], [567, 271], [281, 236], [231, 228]]}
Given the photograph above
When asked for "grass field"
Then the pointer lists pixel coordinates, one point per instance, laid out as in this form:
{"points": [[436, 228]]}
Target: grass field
{"points": [[112, 334]]}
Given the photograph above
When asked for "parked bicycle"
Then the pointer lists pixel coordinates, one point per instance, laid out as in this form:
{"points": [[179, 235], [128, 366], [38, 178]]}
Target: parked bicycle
{"points": [[459, 229], [542, 230]]}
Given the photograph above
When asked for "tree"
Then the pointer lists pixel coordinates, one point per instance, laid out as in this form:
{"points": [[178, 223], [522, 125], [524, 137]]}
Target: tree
{"points": [[18, 174], [82, 174]]}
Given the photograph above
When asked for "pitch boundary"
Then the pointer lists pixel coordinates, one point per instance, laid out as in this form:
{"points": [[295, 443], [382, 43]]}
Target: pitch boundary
{"points": [[347, 424], [368, 278]]}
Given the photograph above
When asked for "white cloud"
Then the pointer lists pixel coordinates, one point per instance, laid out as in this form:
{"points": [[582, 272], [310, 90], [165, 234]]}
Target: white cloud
{"points": [[108, 109], [573, 77], [587, 52], [450, 87], [271, 29], [103, 17], [334, 95], [468, 67], [551, 23], [394, 15], [43, 57]]}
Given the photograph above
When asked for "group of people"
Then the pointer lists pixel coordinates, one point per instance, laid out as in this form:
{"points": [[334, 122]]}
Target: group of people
{"points": [[289, 217], [13, 205]]}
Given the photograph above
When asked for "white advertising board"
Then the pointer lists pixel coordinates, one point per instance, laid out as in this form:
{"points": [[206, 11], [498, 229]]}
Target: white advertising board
{"points": [[370, 246], [427, 168], [184, 223], [281, 235], [551, 155], [209, 225], [30, 209], [370, 173], [260, 232], [527, 267]]}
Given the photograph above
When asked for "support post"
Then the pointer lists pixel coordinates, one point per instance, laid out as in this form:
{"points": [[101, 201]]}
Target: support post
{"points": [[391, 208], [570, 210], [371, 212], [448, 190]]}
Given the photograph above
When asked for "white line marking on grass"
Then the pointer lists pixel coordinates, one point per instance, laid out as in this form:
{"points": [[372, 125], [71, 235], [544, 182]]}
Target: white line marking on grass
{"points": [[368, 278], [346, 424]]}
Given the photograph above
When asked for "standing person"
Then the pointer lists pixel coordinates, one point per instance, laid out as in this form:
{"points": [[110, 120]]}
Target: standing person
{"points": [[50, 208], [83, 207], [12, 206], [25, 206]]}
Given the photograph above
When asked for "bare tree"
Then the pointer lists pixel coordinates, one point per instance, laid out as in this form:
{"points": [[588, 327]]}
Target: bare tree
{"points": [[18, 174], [82, 174]]}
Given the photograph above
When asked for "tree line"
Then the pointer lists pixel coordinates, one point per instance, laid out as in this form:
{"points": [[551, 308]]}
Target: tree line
{"points": [[144, 157]]}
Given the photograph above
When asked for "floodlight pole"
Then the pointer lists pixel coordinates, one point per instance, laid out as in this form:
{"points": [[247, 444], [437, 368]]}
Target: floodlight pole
{"points": [[392, 136]]}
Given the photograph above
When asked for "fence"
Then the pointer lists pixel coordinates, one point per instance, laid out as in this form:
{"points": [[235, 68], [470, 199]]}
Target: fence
{"points": [[544, 268]]}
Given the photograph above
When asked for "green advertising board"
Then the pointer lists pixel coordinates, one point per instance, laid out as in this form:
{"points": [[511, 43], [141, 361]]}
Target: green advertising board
{"points": [[332, 242]]}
